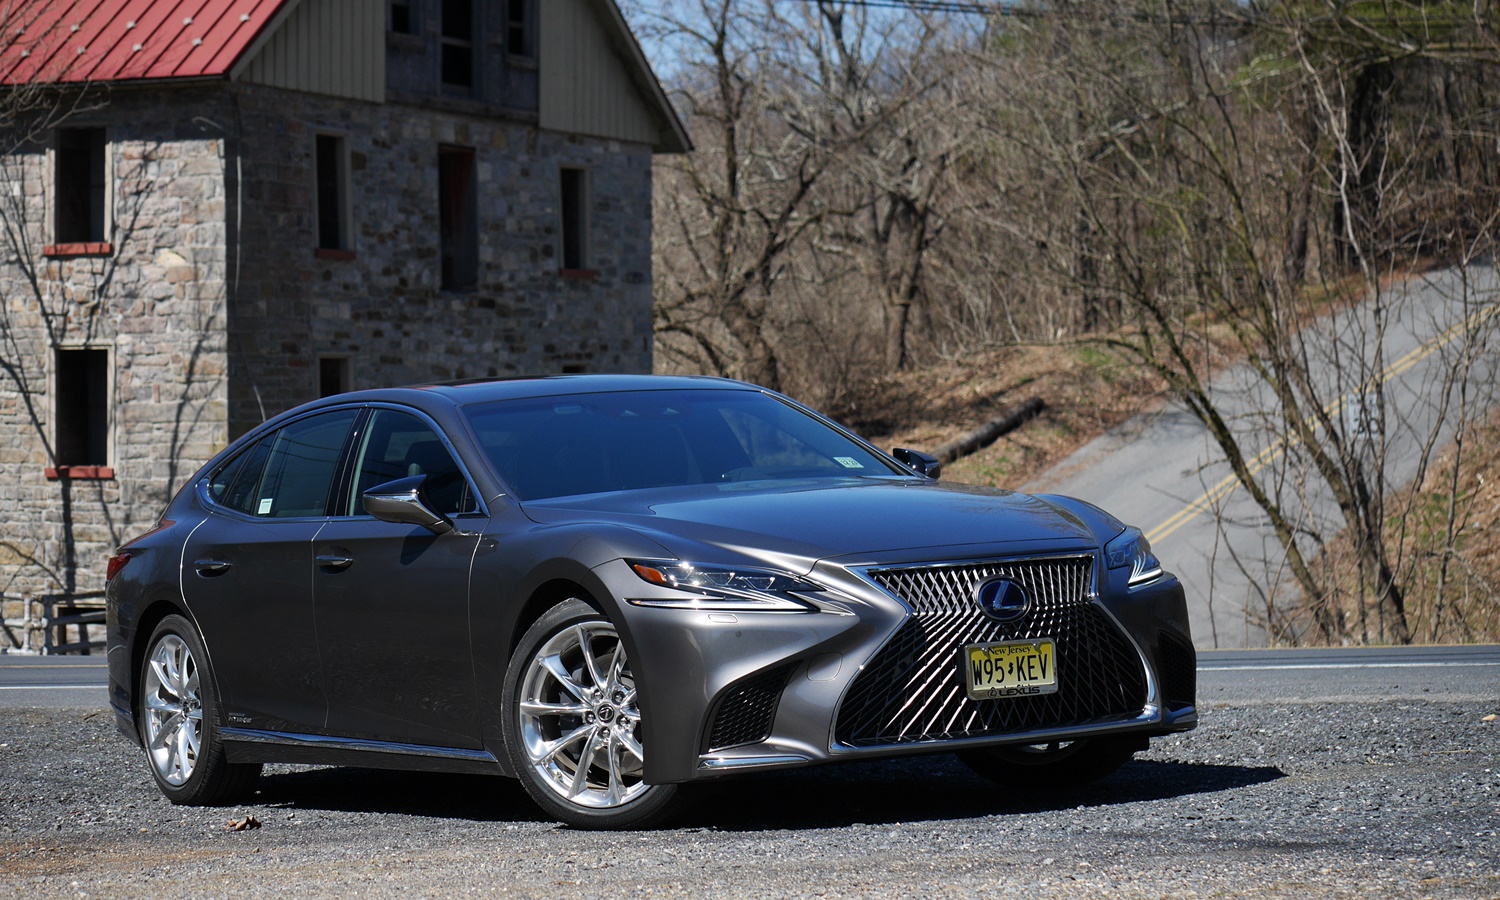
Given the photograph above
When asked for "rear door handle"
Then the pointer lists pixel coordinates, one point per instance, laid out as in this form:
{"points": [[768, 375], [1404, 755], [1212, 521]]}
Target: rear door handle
{"points": [[211, 566], [329, 561]]}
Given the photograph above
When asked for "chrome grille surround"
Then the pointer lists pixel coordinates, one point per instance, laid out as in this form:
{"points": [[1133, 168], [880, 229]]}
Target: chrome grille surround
{"points": [[912, 689]]}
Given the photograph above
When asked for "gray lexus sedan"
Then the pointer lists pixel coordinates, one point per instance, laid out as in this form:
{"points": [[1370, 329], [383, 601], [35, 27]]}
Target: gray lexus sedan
{"points": [[611, 586]]}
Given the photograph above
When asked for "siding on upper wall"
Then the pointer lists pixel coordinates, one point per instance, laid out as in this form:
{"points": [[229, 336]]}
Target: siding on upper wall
{"points": [[586, 87], [331, 47]]}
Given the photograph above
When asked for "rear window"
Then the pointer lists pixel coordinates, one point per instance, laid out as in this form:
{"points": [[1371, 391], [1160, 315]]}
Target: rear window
{"points": [[584, 444]]}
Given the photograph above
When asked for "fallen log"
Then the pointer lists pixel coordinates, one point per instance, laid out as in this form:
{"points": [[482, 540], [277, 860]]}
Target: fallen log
{"points": [[990, 431]]}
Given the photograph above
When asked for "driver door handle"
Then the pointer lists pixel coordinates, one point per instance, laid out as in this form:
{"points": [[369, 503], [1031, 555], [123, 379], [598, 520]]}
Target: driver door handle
{"points": [[211, 566], [329, 561]]}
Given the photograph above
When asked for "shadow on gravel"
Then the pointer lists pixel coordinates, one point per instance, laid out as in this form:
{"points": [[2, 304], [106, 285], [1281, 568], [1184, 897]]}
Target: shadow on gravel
{"points": [[481, 798], [882, 792], [939, 788]]}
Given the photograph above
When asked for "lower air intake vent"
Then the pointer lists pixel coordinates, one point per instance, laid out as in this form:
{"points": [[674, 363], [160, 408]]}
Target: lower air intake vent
{"points": [[1177, 663], [745, 711]]}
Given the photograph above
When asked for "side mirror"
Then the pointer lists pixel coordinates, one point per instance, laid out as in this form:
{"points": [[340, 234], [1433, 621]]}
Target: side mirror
{"points": [[919, 462], [403, 502]]}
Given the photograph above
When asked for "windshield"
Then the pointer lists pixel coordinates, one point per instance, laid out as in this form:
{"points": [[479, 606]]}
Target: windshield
{"points": [[584, 444]]}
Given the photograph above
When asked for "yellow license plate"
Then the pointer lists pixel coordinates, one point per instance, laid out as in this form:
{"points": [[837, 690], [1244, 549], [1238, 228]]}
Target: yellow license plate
{"points": [[1010, 669]]}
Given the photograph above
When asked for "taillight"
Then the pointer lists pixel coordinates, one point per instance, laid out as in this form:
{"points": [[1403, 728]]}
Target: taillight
{"points": [[116, 563]]}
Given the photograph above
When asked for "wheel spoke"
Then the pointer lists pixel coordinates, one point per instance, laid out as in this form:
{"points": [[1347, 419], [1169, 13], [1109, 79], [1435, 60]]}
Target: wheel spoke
{"points": [[630, 745], [554, 666], [538, 708], [616, 664], [551, 749], [163, 677], [184, 745], [179, 668], [154, 703], [164, 732], [190, 738], [616, 779], [585, 762], [599, 678]]}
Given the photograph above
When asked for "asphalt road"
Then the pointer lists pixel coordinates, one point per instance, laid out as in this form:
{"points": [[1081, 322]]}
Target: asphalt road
{"points": [[1163, 473], [1329, 773]]}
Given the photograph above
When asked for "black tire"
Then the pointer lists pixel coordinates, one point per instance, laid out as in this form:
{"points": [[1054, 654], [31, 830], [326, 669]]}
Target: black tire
{"points": [[591, 722], [178, 716], [1031, 768]]}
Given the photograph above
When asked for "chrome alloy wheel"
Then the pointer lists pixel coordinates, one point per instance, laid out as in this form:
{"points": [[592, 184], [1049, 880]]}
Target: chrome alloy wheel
{"points": [[174, 710], [579, 721]]}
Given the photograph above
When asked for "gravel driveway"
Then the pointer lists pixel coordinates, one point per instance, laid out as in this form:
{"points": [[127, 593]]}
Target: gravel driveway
{"points": [[1265, 799]]}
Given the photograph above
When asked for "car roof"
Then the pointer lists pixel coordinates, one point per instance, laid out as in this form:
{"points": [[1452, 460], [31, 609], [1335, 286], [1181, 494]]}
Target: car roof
{"points": [[485, 390]]}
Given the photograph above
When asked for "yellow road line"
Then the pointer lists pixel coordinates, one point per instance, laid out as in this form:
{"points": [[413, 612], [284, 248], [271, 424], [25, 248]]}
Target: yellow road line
{"points": [[1227, 486]]}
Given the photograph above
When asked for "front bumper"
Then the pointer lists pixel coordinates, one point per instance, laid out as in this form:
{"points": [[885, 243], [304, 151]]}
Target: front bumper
{"points": [[876, 672]]}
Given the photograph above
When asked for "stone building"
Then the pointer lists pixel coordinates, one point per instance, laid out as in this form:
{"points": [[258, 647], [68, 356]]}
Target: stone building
{"points": [[214, 211]]}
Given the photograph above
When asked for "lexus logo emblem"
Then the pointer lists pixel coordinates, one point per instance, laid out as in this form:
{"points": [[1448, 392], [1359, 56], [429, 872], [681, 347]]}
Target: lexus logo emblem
{"points": [[1002, 599]]}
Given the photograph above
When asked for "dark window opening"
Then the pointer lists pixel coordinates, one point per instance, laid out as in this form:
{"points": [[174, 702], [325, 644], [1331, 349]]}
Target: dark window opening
{"points": [[574, 219], [518, 28], [457, 60], [458, 222], [82, 405], [79, 181], [402, 21], [332, 229], [399, 445], [333, 375], [298, 480]]}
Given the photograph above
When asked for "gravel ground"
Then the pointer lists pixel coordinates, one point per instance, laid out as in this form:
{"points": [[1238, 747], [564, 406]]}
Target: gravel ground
{"points": [[1292, 800]]}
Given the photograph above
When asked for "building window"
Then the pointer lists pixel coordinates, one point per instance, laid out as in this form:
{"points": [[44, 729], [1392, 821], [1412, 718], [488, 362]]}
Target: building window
{"points": [[457, 221], [402, 20], [457, 62], [518, 40], [81, 410], [332, 169], [575, 221], [333, 375], [80, 186]]}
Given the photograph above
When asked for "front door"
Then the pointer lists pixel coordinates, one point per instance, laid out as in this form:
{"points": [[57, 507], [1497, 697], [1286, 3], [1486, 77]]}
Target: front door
{"points": [[392, 601]]}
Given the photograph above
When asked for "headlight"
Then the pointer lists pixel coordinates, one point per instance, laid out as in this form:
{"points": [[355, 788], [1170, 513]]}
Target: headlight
{"points": [[730, 589], [1132, 549]]}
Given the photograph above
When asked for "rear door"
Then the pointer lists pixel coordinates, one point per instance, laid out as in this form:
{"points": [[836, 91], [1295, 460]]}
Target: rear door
{"points": [[247, 572]]}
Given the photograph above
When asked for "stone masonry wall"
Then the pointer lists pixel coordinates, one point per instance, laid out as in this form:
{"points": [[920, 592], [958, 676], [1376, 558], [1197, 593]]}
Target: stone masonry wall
{"points": [[384, 308], [215, 306], [156, 302]]}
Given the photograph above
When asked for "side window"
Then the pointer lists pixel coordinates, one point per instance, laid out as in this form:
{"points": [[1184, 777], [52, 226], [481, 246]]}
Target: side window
{"points": [[300, 471], [236, 482], [398, 445]]}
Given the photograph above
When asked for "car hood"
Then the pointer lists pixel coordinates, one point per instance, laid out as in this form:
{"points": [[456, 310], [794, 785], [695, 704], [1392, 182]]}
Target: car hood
{"points": [[793, 524]]}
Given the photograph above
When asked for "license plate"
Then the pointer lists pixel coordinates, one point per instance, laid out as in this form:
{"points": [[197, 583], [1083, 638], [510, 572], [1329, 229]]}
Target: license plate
{"points": [[1010, 669]]}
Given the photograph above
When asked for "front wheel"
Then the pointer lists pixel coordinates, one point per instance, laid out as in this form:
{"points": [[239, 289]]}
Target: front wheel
{"points": [[573, 723], [178, 715], [1055, 765]]}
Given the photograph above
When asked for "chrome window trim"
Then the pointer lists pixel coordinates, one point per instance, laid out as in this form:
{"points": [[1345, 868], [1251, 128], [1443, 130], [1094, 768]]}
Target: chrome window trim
{"points": [[208, 502]]}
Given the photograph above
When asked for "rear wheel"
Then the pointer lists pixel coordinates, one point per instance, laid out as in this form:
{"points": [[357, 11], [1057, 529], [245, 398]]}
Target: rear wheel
{"points": [[572, 724], [178, 714], [1054, 765]]}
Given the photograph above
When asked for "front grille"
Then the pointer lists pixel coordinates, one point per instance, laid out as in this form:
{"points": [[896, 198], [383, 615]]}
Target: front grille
{"points": [[913, 689], [1177, 663], [746, 708]]}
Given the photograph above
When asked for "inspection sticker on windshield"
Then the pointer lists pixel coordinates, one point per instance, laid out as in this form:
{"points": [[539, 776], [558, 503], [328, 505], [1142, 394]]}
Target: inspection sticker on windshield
{"points": [[1010, 669], [848, 462]]}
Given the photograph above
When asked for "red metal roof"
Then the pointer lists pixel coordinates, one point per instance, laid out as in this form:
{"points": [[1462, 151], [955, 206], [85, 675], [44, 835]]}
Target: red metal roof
{"points": [[71, 41]]}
